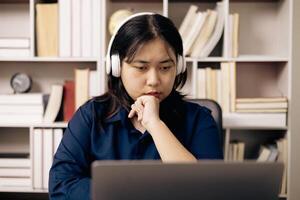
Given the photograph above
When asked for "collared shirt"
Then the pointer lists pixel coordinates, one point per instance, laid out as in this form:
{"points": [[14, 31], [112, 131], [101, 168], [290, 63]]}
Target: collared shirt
{"points": [[85, 140]]}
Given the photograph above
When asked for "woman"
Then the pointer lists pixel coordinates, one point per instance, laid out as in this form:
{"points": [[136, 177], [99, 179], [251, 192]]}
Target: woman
{"points": [[142, 116]]}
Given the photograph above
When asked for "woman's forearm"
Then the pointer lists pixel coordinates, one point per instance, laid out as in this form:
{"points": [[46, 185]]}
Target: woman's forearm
{"points": [[168, 146]]}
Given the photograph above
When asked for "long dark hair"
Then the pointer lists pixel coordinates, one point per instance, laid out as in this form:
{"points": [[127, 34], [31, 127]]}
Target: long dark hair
{"points": [[134, 33]]}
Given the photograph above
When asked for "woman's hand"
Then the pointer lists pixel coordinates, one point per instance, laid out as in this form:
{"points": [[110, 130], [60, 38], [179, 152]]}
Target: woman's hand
{"points": [[146, 108]]}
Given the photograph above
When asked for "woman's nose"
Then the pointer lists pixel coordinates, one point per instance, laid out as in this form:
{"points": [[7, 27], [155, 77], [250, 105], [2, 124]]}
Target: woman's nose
{"points": [[153, 78]]}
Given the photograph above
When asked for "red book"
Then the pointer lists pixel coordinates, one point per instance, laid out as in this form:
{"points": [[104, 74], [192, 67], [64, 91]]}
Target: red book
{"points": [[69, 99]]}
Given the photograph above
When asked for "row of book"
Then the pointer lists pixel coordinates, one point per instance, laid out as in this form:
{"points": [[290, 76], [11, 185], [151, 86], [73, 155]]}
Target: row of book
{"points": [[276, 152], [69, 28], [262, 105], [12, 47], [45, 143], [31, 171], [201, 31], [29, 108], [218, 84], [15, 172]]}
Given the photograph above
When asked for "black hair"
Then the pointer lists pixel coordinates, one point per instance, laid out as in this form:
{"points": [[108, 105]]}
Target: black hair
{"points": [[129, 38]]}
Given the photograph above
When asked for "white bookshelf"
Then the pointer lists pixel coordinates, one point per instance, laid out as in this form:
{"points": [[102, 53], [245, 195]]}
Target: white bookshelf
{"points": [[265, 55]]}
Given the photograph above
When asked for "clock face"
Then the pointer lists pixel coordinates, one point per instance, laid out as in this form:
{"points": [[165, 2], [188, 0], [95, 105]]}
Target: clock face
{"points": [[20, 82]]}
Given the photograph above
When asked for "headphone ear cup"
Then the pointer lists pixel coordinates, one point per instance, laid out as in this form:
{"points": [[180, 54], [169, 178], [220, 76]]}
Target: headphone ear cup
{"points": [[115, 65], [179, 65], [107, 64]]}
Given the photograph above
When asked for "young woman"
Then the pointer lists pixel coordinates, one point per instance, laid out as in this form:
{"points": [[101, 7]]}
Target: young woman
{"points": [[142, 116]]}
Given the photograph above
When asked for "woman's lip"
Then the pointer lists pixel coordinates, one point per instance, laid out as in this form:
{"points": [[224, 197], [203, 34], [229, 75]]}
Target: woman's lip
{"points": [[156, 94]]}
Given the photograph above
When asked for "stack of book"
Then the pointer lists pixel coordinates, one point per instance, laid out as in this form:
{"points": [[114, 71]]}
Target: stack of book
{"points": [[262, 105], [21, 108], [14, 47], [276, 153], [45, 143], [201, 31], [236, 151], [68, 28], [15, 172], [218, 84]]}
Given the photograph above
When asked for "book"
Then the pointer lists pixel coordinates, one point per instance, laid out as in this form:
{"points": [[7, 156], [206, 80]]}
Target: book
{"points": [[69, 100], [47, 155], [261, 100], [217, 33], [96, 27], [22, 99], [201, 83], [21, 118], [14, 52], [21, 109], [47, 29], [14, 162], [15, 182], [228, 50], [235, 35], [232, 86], [14, 172], [58, 135], [14, 43], [86, 27], [94, 83], [225, 91], [37, 167], [261, 110], [65, 29], [187, 24], [271, 105], [81, 86], [54, 103], [264, 154], [76, 28], [205, 33], [198, 22]]}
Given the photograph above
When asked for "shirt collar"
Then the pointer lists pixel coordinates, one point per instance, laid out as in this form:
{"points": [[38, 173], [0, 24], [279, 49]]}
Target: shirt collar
{"points": [[121, 115]]}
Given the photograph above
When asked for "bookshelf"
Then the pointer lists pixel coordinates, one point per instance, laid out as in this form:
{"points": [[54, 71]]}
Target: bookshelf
{"points": [[265, 65]]}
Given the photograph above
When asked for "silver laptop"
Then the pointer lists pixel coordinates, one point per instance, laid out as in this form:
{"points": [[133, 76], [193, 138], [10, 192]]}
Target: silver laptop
{"points": [[204, 180]]}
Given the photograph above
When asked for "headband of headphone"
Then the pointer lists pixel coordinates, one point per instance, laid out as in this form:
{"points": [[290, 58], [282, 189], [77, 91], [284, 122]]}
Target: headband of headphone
{"points": [[113, 62]]}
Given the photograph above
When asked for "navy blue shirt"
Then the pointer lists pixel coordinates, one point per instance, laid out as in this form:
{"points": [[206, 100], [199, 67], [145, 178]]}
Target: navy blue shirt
{"points": [[89, 137]]}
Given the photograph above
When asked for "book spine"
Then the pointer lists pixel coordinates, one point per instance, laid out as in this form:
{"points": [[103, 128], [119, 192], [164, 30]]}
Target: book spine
{"points": [[37, 158], [65, 28], [47, 155]]}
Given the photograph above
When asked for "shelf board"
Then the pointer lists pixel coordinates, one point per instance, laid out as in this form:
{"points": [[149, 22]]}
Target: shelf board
{"points": [[48, 59], [207, 59], [242, 58], [21, 189], [14, 1], [38, 125], [274, 121], [259, 58]]}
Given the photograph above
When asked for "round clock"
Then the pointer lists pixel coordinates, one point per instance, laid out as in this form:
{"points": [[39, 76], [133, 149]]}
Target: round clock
{"points": [[20, 82]]}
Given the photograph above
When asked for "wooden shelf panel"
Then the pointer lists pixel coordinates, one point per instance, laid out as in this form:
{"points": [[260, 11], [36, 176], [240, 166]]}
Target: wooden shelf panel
{"points": [[38, 125], [47, 59], [276, 121], [14, 1]]}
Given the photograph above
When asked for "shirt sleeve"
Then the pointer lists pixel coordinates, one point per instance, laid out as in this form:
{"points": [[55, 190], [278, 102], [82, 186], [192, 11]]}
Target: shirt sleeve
{"points": [[205, 142], [69, 176]]}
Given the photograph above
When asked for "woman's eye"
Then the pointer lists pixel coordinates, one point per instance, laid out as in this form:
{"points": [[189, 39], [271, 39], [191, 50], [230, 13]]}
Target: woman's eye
{"points": [[141, 68], [165, 68]]}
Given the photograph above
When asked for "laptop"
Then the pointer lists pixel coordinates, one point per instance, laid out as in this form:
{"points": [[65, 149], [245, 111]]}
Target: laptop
{"points": [[204, 180]]}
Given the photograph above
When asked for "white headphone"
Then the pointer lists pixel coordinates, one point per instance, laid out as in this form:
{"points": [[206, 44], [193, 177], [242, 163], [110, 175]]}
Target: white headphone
{"points": [[113, 62]]}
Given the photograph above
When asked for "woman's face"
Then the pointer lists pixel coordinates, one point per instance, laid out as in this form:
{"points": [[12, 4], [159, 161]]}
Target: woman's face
{"points": [[151, 72]]}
